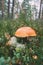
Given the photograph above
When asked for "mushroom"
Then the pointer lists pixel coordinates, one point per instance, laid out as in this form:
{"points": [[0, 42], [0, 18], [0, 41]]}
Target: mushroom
{"points": [[24, 33], [35, 57]]}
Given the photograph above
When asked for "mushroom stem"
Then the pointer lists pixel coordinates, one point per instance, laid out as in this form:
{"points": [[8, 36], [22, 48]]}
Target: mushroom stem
{"points": [[25, 41]]}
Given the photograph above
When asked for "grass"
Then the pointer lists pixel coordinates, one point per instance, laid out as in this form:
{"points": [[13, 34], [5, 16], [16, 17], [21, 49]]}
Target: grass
{"points": [[23, 57]]}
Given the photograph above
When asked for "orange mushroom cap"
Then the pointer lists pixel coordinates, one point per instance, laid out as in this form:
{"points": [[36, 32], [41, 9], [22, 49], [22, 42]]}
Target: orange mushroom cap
{"points": [[25, 32]]}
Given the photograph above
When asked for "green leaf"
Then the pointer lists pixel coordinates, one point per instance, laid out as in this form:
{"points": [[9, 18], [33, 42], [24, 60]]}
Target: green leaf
{"points": [[28, 59]]}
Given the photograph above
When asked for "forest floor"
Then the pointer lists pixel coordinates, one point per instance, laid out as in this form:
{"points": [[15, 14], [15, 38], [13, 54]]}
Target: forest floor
{"points": [[31, 55]]}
